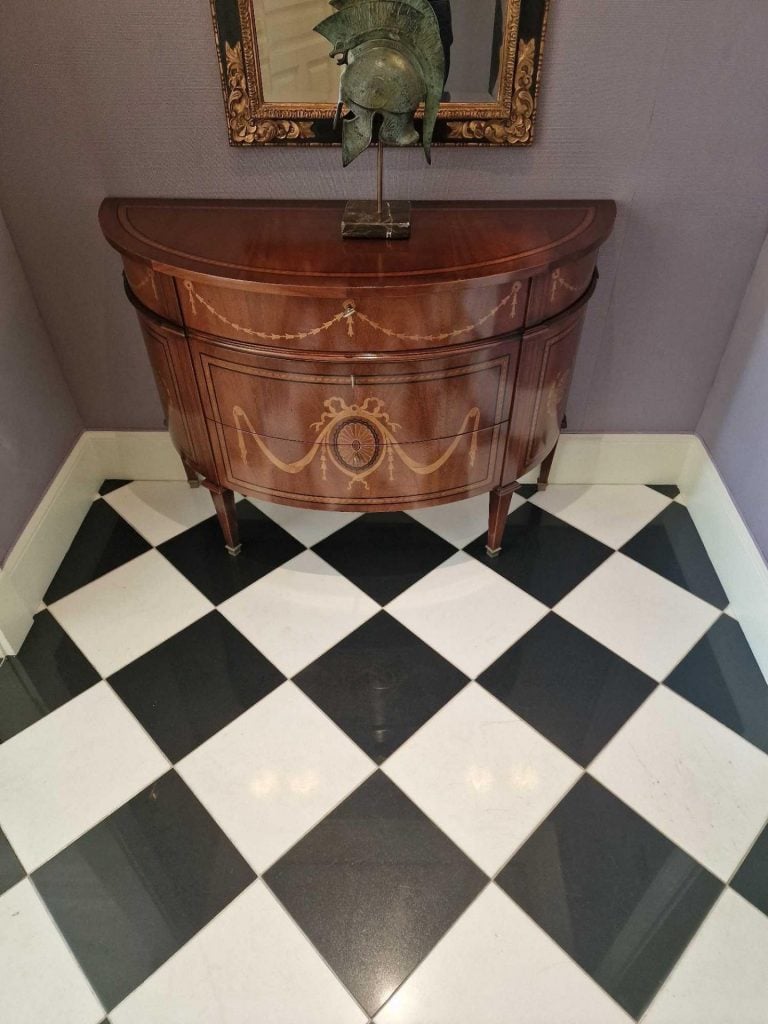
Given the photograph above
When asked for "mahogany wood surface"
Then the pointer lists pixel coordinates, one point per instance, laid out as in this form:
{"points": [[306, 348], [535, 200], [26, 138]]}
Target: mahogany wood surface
{"points": [[309, 370]]}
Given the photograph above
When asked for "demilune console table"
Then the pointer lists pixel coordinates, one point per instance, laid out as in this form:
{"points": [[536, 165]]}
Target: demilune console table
{"points": [[308, 370]]}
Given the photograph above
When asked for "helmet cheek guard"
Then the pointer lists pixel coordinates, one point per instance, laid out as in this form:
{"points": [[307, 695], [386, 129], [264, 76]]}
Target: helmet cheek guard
{"points": [[393, 59]]}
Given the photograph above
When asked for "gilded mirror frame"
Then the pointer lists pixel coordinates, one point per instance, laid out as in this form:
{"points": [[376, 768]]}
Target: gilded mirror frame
{"points": [[252, 121]]}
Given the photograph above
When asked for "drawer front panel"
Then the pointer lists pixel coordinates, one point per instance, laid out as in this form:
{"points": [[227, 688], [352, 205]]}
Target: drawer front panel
{"points": [[543, 383], [562, 287], [154, 290], [355, 323], [160, 342], [249, 392], [355, 468]]}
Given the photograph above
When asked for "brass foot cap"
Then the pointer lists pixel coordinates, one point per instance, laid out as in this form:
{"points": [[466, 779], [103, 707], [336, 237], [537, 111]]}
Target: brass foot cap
{"points": [[234, 551], [493, 552], [194, 483], [541, 487]]}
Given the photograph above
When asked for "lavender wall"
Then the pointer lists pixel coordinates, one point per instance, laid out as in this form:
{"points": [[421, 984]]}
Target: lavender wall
{"points": [[38, 419], [735, 417], [662, 104]]}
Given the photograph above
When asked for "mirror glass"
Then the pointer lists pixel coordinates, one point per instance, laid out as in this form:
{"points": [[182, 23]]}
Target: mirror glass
{"points": [[296, 68]]}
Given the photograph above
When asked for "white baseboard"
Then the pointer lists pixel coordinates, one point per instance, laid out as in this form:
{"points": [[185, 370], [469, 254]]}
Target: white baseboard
{"points": [[730, 545], [581, 459]]}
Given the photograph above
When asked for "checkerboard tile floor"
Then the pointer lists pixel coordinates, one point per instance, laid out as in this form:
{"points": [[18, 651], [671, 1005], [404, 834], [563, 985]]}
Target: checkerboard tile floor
{"points": [[364, 773]]}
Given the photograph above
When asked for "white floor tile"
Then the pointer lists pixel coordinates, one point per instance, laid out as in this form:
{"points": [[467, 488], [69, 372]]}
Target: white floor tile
{"points": [[459, 522], [722, 978], [467, 612], [695, 780], [309, 526], [251, 963], [611, 513], [638, 614], [299, 611], [64, 774], [483, 775], [495, 966], [125, 613], [161, 509], [273, 773], [40, 981]]}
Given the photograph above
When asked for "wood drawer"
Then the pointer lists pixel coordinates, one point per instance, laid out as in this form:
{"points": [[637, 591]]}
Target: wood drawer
{"points": [[562, 287], [432, 399], [337, 472], [355, 323], [543, 383]]}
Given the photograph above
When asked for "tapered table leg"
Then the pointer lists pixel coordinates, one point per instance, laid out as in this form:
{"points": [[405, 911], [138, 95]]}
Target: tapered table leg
{"points": [[224, 502], [497, 518], [544, 470]]}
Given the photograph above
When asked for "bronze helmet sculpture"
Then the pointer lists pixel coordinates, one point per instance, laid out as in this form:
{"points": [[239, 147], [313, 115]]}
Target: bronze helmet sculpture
{"points": [[393, 59]]}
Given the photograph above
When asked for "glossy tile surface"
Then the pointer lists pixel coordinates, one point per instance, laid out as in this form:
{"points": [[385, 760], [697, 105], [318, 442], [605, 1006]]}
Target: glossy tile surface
{"points": [[276, 684], [542, 554], [104, 542], [48, 671], [483, 775], [613, 892], [723, 975], [496, 966], [576, 692], [122, 615], [188, 688], [751, 880], [161, 509], [299, 611], [671, 547], [11, 870], [721, 676], [200, 555], [69, 771], [385, 553], [40, 980], [274, 773], [309, 526], [380, 684], [466, 612], [134, 889], [610, 513], [702, 785], [250, 964], [638, 615], [374, 886]]}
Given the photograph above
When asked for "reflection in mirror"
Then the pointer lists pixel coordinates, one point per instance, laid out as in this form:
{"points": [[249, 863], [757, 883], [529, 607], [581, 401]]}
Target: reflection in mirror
{"points": [[294, 59]]}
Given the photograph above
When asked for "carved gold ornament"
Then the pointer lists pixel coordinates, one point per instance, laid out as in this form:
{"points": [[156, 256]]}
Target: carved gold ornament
{"points": [[518, 129], [356, 439], [350, 313], [245, 129]]}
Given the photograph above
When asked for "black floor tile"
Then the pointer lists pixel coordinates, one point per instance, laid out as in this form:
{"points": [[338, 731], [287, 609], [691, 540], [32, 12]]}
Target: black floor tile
{"points": [[721, 676], [668, 490], [375, 886], [572, 689], [200, 554], [112, 485], [384, 553], [104, 542], [11, 870], [380, 684], [613, 892], [48, 671], [671, 546], [541, 554], [134, 889], [194, 684], [751, 880], [527, 490]]}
